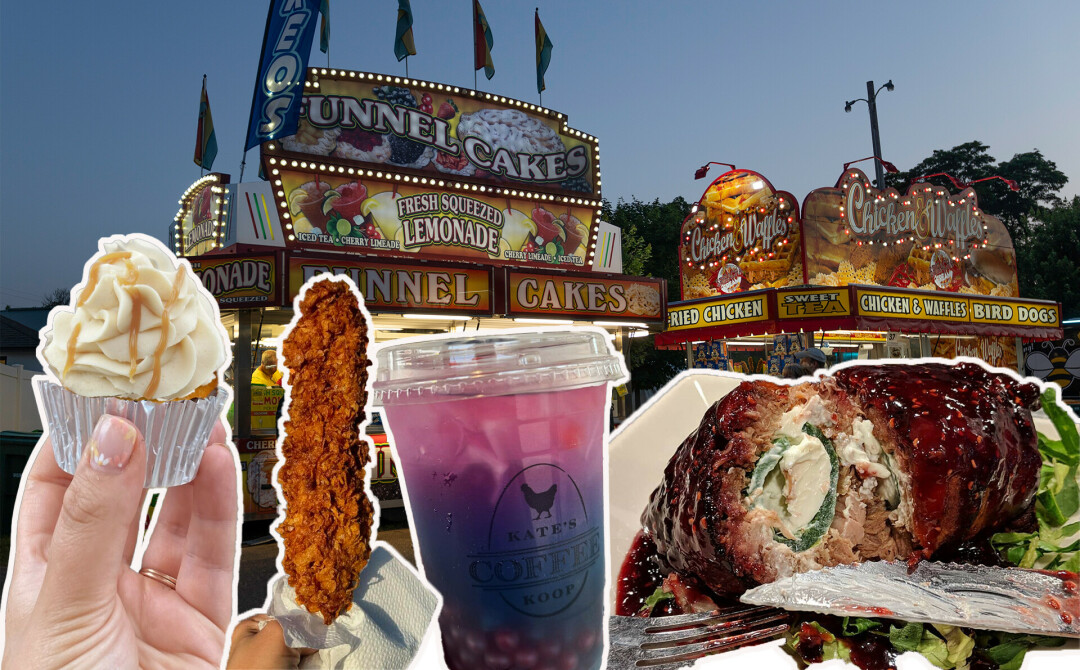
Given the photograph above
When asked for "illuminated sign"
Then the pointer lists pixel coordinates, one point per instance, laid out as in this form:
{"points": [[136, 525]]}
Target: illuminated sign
{"points": [[391, 123], [936, 307], [719, 312], [928, 239], [1017, 313], [388, 286], [742, 235], [361, 214], [995, 350], [564, 294], [968, 309], [854, 336], [247, 281], [799, 304], [199, 225]]}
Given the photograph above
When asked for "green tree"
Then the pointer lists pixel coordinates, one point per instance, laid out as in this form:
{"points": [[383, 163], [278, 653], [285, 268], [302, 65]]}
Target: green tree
{"points": [[1049, 262], [1038, 179], [650, 248], [658, 224]]}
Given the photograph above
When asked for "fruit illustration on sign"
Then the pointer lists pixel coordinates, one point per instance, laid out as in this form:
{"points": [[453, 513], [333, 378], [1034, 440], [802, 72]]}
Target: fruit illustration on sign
{"points": [[307, 199], [576, 231], [381, 212], [504, 246], [349, 203], [518, 228], [546, 227], [301, 224]]}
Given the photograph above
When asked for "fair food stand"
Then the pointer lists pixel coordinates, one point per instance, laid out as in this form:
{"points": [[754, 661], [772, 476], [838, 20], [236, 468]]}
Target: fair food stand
{"points": [[451, 209], [876, 273]]}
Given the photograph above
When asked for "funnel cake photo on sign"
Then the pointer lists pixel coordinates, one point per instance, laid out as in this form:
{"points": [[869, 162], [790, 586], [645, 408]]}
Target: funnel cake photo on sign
{"points": [[141, 339]]}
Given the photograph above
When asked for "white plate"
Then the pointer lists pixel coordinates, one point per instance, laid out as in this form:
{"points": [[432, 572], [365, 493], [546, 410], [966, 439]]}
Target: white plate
{"points": [[640, 450]]}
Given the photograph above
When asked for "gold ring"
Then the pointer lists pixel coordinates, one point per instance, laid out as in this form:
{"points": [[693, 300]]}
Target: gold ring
{"points": [[159, 577]]}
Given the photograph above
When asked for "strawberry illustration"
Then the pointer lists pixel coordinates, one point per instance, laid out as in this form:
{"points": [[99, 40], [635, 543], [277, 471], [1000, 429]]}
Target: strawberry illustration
{"points": [[447, 110]]}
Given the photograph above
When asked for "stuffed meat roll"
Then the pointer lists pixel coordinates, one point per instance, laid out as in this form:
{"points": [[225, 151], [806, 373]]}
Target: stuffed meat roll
{"points": [[874, 462]]}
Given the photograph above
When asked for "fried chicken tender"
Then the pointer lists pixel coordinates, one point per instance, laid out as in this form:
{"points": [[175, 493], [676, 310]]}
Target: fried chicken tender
{"points": [[327, 526]]}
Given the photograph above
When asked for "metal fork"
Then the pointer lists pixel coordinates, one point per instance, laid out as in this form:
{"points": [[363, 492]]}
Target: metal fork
{"points": [[665, 643]]}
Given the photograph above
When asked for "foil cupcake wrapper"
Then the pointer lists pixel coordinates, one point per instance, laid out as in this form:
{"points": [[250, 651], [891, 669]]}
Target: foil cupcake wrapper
{"points": [[175, 431]]}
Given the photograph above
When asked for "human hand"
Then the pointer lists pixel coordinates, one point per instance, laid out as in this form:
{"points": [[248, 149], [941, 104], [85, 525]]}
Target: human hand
{"points": [[73, 598], [259, 642]]}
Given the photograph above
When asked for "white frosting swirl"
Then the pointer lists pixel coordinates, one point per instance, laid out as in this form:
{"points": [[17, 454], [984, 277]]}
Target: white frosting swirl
{"points": [[109, 342]]}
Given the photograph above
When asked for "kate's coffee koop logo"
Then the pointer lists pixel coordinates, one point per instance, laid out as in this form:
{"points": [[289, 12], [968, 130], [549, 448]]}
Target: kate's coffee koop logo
{"points": [[542, 547]]}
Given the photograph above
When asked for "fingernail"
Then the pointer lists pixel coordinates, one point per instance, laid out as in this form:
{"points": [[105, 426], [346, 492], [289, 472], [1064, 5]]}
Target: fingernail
{"points": [[111, 444]]}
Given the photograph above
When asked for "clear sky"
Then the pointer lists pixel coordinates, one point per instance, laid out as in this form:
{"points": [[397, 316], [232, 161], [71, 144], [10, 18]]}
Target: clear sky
{"points": [[100, 99]]}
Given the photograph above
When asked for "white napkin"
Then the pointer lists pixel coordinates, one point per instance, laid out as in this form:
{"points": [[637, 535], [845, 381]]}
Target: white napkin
{"points": [[392, 609]]}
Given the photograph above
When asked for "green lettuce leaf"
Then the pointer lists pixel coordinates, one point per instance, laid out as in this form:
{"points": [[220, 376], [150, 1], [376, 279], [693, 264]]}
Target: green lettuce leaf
{"points": [[854, 625], [657, 596], [958, 644], [830, 649], [906, 638], [1066, 428], [1072, 564]]}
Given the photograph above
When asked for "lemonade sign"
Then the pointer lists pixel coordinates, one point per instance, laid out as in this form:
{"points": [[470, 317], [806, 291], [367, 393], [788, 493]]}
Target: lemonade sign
{"points": [[370, 215]]}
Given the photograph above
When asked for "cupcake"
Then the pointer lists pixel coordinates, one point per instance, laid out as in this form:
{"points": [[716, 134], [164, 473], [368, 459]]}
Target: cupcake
{"points": [[141, 339]]}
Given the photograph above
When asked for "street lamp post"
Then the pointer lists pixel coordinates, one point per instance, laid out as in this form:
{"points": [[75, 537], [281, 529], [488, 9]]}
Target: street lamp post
{"points": [[871, 102]]}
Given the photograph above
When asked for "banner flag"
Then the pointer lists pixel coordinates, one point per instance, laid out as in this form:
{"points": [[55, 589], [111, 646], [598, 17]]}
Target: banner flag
{"points": [[279, 85], [324, 26], [483, 41], [205, 139], [543, 53], [403, 40]]}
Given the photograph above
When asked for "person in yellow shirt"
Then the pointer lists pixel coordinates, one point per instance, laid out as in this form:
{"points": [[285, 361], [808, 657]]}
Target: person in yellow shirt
{"points": [[267, 373]]}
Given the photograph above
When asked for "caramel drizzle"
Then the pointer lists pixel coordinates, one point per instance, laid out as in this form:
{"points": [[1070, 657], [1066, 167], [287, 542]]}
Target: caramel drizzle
{"points": [[130, 277], [95, 270], [71, 349], [159, 351], [133, 329]]}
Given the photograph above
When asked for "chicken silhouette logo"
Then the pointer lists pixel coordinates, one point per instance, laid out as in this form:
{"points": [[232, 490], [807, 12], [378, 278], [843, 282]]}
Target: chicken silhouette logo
{"points": [[544, 544], [540, 502]]}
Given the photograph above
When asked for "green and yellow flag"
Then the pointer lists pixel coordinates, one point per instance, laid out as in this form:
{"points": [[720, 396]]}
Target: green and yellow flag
{"points": [[403, 42], [205, 140], [543, 53], [324, 27], [483, 41]]}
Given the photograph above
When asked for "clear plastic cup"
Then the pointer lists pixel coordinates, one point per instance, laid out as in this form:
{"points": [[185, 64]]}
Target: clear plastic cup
{"points": [[500, 443]]}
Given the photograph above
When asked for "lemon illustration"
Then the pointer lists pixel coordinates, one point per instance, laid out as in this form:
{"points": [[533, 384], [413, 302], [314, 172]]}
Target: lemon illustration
{"points": [[297, 196], [517, 228], [301, 225], [400, 237], [328, 203], [382, 208], [504, 246]]}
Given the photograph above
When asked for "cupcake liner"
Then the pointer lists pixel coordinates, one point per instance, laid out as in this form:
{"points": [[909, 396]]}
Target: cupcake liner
{"points": [[175, 431]]}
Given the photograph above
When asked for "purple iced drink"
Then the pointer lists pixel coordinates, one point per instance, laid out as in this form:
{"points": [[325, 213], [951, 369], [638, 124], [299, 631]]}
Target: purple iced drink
{"points": [[505, 490]]}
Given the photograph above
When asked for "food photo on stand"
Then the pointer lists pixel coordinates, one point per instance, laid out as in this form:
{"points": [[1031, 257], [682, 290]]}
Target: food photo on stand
{"points": [[412, 391]]}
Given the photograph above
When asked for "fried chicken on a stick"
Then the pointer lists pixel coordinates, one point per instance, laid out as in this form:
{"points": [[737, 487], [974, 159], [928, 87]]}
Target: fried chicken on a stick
{"points": [[327, 526]]}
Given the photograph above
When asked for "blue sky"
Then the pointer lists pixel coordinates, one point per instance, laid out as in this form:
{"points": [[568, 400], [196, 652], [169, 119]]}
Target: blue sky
{"points": [[99, 100]]}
